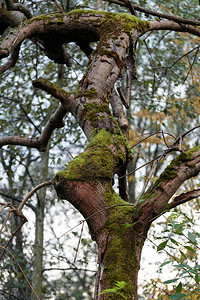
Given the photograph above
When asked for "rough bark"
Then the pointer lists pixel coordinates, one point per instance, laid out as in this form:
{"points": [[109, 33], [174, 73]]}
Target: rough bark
{"points": [[119, 228]]}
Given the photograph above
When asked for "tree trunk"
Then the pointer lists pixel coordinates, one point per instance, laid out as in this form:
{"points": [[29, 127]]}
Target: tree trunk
{"points": [[118, 227], [37, 278]]}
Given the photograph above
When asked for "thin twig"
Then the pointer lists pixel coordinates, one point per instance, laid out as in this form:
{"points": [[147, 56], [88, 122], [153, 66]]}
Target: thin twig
{"points": [[58, 5], [31, 193], [14, 233], [150, 135], [165, 152], [184, 134], [148, 179], [79, 242], [163, 135], [96, 212], [7, 217]]}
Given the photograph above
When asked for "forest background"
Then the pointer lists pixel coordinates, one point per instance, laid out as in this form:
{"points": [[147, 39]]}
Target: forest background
{"points": [[54, 249]]}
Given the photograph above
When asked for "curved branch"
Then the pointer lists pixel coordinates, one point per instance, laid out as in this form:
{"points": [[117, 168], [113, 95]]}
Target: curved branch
{"points": [[155, 13], [10, 18], [55, 121], [185, 197], [43, 30], [18, 200], [171, 25], [184, 167], [22, 8], [67, 99], [31, 193], [16, 140], [12, 60]]}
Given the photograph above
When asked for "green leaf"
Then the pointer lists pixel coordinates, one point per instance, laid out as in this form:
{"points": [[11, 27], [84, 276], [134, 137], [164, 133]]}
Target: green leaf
{"points": [[197, 278], [191, 237], [174, 241], [162, 245], [108, 291], [130, 225], [171, 280], [121, 284], [197, 267], [183, 254], [177, 296], [165, 263], [182, 266], [190, 249], [177, 228], [179, 287]]}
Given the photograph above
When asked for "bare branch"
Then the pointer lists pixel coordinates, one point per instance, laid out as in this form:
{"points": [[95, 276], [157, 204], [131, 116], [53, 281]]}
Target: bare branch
{"points": [[58, 5], [154, 13], [184, 134], [12, 60], [123, 98], [70, 268], [18, 7], [55, 121], [181, 57], [185, 197], [18, 200], [119, 113], [16, 140], [67, 99], [31, 193], [10, 18], [171, 25], [150, 135]]}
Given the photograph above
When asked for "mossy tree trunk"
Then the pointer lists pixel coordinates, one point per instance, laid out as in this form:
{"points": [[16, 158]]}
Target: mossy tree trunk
{"points": [[118, 227]]}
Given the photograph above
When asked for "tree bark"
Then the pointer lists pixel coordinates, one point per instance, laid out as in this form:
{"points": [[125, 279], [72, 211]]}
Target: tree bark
{"points": [[118, 227]]}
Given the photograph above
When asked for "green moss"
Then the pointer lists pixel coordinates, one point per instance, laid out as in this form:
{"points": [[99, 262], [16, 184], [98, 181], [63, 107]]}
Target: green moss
{"points": [[125, 21], [50, 86], [95, 111], [98, 160], [120, 258], [129, 22], [90, 94], [186, 156], [48, 18], [171, 171]]}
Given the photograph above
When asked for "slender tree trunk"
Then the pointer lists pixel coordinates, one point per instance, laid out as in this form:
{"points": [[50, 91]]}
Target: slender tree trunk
{"points": [[37, 278]]}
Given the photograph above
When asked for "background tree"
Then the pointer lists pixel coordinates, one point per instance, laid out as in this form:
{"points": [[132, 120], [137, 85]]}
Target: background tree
{"points": [[108, 153]]}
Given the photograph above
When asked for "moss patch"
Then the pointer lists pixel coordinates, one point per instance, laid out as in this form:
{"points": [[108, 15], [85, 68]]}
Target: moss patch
{"points": [[90, 94], [185, 156], [120, 258], [126, 21], [171, 171], [94, 112], [99, 160]]}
